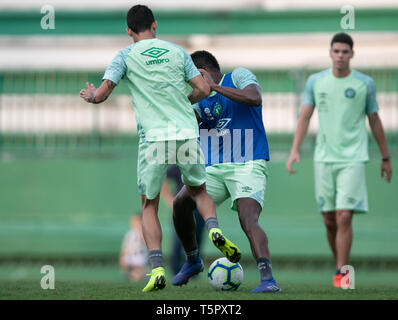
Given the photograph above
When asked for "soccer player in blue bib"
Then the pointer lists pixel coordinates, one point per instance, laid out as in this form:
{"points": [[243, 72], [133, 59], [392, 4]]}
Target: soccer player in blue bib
{"points": [[234, 143]]}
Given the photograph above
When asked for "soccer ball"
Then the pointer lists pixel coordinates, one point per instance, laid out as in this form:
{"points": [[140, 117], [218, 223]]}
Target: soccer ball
{"points": [[225, 275]]}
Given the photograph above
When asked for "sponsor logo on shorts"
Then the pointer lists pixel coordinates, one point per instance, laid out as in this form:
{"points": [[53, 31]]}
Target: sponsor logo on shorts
{"points": [[351, 200], [246, 189]]}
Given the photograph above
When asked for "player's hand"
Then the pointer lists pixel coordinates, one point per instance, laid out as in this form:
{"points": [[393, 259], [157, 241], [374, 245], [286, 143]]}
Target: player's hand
{"points": [[207, 78], [88, 93], [294, 157], [386, 170]]}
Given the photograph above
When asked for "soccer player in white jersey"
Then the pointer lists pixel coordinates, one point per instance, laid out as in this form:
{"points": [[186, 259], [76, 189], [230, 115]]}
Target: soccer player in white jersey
{"points": [[344, 98], [157, 73]]}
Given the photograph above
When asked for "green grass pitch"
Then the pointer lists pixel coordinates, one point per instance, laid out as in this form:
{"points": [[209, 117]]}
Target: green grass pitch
{"points": [[80, 205], [106, 283]]}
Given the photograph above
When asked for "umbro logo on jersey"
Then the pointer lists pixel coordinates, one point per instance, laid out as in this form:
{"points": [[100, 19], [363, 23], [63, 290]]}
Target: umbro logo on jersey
{"points": [[157, 61], [222, 123], [155, 53]]}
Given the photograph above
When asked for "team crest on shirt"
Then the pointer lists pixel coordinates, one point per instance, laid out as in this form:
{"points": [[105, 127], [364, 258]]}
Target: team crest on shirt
{"points": [[217, 110], [349, 93]]}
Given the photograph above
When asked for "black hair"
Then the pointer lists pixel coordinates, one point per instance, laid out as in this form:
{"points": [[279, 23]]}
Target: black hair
{"points": [[139, 18], [342, 38], [203, 59]]}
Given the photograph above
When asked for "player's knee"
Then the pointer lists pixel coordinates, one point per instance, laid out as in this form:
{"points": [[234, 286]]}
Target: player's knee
{"points": [[329, 219], [182, 202], [330, 224], [147, 203], [178, 202], [343, 219], [248, 221], [196, 191], [249, 211]]}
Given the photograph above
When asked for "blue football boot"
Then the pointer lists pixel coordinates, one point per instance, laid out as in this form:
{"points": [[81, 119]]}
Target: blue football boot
{"points": [[268, 285], [187, 271]]}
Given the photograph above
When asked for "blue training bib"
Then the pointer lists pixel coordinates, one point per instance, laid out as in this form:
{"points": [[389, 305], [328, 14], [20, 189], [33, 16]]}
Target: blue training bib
{"points": [[230, 131]]}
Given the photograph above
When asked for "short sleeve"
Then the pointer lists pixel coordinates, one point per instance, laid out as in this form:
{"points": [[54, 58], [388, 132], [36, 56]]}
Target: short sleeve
{"points": [[242, 77], [117, 68], [309, 99], [190, 69], [371, 102]]}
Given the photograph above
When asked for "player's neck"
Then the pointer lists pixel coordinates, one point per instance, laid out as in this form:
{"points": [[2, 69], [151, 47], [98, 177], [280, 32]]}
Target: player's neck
{"points": [[145, 35], [341, 73], [217, 76]]}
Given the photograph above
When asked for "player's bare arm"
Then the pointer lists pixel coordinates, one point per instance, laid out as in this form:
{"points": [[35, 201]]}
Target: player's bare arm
{"points": [[378, 132], [200, 89], [301, 130], [248, 96], [97, 95]]}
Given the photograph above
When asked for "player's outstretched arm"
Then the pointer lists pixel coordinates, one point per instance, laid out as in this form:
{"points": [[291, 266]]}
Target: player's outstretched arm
{"points": [[97, 95], [377, 129], [301, 130], [200, 89], [248, 96]]}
